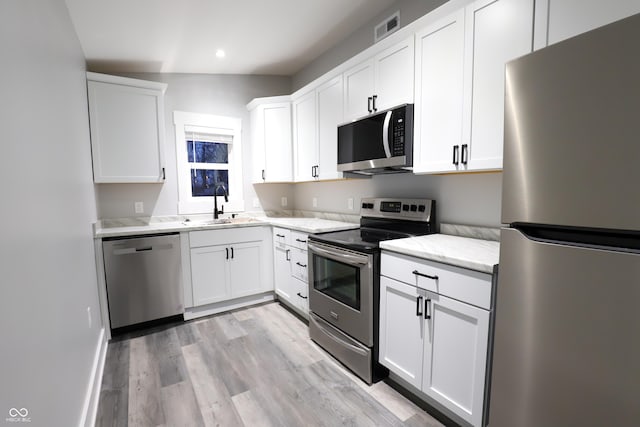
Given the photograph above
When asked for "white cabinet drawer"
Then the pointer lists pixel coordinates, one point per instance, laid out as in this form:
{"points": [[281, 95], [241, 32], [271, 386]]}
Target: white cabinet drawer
{"points": [[299, 240], [469, 286], [281, 237], [299, 260]]}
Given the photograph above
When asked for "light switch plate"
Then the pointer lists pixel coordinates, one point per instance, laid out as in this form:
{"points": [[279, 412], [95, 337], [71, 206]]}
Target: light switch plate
{"points": [[314, 202], [350, 203], [283, 201], [256, 202], [139, 207]]}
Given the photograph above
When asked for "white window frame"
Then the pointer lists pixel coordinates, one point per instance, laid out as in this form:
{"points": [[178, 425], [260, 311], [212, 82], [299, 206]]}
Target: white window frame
{"points": [[220, 125]]}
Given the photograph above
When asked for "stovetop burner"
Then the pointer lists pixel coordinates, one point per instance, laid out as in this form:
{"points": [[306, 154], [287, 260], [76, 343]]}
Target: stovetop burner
{"points": [[384, 219]]}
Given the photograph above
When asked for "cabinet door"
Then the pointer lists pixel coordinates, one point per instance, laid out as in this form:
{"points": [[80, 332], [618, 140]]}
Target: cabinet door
{"points": [[330, 115], [394, 75], [282, 273], [358, 88], [455, 355], [439, 94], [497, 31], [568, 18], [304, 137], [127, 133], [245, 268], [402, 329], [257, 145], [301, 295], [277, 142], [210, 274]]}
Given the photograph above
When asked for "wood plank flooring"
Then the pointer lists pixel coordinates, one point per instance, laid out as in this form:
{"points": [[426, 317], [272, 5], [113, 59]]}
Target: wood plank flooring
{"points": [[252, 367]]}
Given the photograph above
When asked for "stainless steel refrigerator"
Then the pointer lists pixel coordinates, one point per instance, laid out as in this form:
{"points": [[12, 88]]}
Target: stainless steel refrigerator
{"points": [[567, 317]]}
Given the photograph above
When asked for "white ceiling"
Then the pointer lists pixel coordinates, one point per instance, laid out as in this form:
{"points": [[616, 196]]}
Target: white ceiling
{"points": [[181, 36]]}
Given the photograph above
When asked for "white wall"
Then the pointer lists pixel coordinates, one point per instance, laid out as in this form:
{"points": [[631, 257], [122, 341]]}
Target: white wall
{"points": [[223, 95], [47, 266], [472, 199]]}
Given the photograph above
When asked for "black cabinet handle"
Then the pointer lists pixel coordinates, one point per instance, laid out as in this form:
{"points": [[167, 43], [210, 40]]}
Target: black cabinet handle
{"points": [[227, 249], [279, 235], [419, 306], [301, 265], [303, 297], [417, 273], [427, 305], [465, 154], [301, 241], [455, 155], [231, 253], [286, 254], [369, 99], [163, 175], [374, 102], [263, 175]]}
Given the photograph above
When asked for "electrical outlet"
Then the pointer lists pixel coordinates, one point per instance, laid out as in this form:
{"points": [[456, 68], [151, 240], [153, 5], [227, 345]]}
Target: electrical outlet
{"points": [[350, 203], [89, 317], [283, 201], [139, 207], [314, 201], [256, 202]]}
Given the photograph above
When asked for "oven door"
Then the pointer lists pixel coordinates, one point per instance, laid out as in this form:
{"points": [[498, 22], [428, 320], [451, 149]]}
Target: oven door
{"points": [[341, 289]]}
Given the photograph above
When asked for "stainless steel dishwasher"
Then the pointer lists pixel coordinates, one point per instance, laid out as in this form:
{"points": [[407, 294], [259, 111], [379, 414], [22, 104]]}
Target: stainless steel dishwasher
{"points": [[144, 278]]}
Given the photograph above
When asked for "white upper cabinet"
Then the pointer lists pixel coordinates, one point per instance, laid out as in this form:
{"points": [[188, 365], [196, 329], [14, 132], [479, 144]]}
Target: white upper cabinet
{"points": [[460, 62], [439, 94], [329, 116], [271, 139], [568, 18], [316, 116], [497, 32], [127, 129], [305, 139], [382, 82]]}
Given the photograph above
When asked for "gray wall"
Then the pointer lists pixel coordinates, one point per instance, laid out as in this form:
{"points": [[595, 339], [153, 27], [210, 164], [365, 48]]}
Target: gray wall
{"points": [[47, 265], [362, 38], [224, 95], [472, 199]]}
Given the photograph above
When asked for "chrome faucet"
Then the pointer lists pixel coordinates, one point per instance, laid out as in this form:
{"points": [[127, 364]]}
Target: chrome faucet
{"points": [[216, 212]]}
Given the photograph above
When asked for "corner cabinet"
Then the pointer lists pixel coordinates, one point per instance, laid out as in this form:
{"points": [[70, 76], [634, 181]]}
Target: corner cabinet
{"points": [[459, 97], [316, 116], [434, 331], [382, 82], [229, 264], [271, 139], [127, 129]]}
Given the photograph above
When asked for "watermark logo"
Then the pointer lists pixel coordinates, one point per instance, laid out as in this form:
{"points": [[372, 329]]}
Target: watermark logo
{"points": [[18, 416]]}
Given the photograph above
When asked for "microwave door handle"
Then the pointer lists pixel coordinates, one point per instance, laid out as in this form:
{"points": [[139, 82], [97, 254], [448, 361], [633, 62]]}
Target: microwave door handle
{"points": [[385, 134]]}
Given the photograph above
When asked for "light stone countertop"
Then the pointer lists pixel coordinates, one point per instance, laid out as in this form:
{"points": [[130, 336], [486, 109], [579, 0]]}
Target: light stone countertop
{"points": [[142, 226], [474, 254]]}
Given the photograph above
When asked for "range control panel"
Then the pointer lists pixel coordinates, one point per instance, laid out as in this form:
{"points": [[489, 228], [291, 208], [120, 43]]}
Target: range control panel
{"points": [[411, 209]]}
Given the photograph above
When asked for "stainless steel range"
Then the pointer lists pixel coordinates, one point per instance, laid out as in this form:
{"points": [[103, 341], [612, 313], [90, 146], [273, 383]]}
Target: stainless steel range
{"points": [[344, 280]]}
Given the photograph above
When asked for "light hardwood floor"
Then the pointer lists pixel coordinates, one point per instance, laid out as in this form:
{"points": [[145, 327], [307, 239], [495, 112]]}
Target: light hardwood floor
{"points": [[252, 367]]}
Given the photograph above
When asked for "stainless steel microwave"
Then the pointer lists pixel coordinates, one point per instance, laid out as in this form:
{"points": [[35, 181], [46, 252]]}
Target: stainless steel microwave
{"points": [[379, 143]]}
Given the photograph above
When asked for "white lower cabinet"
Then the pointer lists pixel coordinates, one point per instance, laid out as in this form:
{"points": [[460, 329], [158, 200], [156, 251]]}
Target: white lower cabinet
{"points": [[228, 264], [290, 270], [436, 343]]}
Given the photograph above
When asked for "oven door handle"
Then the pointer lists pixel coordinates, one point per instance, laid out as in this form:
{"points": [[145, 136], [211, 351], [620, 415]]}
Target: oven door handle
{"points": [[338, 340], [352, 259]]}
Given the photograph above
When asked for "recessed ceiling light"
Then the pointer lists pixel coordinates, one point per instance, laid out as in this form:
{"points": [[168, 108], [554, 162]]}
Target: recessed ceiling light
{"points": [[220, 53]]}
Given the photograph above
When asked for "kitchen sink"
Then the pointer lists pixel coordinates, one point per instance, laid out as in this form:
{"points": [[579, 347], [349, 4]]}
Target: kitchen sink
{"points": [[218, 221]]}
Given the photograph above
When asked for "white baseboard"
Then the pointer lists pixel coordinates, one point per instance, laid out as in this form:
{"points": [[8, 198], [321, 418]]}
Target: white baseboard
{"points": [[92, 397], [219, 307]]}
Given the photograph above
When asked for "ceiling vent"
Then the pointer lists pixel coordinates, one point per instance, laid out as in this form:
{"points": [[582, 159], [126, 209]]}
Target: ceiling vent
{"points": [[386, 27]]}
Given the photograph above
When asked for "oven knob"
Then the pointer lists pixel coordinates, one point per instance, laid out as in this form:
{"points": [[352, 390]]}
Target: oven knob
{"points": [[421, 208], [370, 205], [414, 208], [364, 205], [405, 208]]}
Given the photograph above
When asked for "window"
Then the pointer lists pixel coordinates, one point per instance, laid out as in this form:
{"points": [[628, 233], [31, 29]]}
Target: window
{"points": [[208, 153]]}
